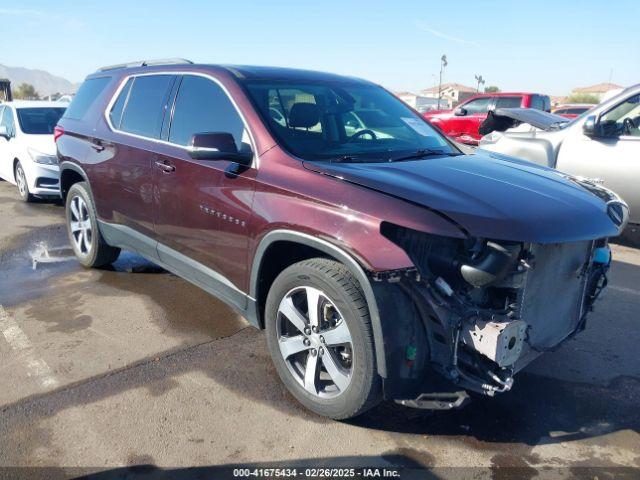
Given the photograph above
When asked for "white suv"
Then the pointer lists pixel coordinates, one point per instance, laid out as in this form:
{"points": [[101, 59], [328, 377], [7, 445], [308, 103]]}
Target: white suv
{"points": [[27, 147]]}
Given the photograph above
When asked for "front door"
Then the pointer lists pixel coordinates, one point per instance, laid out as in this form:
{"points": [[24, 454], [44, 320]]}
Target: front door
{"points": [[6, 147], [464, 128], [202, 207], [613, 157]]}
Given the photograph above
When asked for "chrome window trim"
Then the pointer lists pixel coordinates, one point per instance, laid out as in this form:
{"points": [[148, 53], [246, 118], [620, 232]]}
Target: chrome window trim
{"points": [[125, 79]]}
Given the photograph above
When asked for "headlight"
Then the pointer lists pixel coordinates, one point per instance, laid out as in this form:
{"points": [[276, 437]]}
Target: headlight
{"points": [[42, 158]]}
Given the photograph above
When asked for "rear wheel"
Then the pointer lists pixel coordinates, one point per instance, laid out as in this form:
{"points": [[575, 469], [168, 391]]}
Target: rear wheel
{"points": [[82, 226], [21, 182], [320, 338]]}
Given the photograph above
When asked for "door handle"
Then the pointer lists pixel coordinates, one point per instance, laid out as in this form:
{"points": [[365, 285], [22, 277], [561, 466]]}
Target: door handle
{"points": [[97, 145], [165, 167]]}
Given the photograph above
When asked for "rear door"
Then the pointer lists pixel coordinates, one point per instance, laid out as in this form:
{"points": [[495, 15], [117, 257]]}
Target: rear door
{"points": [[125, 160], [202, 207]]}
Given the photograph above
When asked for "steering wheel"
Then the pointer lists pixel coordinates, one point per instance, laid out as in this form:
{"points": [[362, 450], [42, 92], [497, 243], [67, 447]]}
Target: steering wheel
{"points": [[360, 133], [628, 125]]}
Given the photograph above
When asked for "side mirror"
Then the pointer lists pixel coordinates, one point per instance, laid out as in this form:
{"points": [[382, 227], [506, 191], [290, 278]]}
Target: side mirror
{"points": [[218, 146], [3, 132], [460, 112], [589, 126]]}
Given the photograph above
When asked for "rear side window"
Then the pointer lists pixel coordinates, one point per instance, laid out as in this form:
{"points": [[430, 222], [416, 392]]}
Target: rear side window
{"points": [[508, 102], [115, 115], [143, 110], [541, 102], [202, 106], [87, 94]]}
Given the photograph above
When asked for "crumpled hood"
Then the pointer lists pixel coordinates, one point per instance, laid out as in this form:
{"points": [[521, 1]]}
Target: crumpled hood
{"points": [[489, 195], [502, 119]]}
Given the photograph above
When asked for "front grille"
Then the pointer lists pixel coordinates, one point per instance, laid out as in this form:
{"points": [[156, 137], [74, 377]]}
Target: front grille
{"points": [[553, 297]]}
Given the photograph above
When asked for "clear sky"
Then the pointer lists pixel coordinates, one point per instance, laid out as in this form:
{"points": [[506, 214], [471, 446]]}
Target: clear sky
{"points": [[547, 46]]}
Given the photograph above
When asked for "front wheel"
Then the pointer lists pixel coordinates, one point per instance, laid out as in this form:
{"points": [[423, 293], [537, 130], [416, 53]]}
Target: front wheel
{"points": [[319, 336], [23, 185], [82, 226]]}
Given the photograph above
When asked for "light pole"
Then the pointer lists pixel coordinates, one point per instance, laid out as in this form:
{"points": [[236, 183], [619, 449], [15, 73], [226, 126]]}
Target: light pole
{"points": [[480, 81], [443, 63]]}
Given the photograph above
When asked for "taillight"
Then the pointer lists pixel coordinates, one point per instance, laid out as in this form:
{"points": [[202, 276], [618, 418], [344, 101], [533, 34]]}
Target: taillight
{"points": [[58, 131]]}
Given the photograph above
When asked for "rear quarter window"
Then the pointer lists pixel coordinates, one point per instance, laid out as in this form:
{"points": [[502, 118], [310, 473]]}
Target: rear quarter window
{"points": [[508, 102], [541, 102], [88, 92]]}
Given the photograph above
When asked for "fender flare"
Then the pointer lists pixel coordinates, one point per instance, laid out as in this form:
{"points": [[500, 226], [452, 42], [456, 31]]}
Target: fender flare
{"points": [[342, 256], [66, 165]]}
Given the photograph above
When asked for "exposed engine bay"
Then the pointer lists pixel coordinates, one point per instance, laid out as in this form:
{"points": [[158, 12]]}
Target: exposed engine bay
{"points": [[490, 307]]}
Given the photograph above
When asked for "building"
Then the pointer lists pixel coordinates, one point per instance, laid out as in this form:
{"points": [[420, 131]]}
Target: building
{"points": [[452, 93], [419, 102], [599, 91]]}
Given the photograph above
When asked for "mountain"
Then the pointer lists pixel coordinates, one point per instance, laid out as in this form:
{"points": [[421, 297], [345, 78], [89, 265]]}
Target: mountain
{"points": [[44, 82]]}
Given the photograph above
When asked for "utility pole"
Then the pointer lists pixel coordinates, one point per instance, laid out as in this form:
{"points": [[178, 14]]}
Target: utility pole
{"points": [[443, 63], [480, 81]]}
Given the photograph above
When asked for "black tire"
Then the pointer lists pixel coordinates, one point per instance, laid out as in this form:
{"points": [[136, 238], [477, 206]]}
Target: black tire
{"points": [[343, 290], [99, 253], [23, 190]]}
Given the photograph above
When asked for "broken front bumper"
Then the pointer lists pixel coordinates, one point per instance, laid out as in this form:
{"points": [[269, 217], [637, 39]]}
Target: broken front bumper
{"points": [[439, 344]]}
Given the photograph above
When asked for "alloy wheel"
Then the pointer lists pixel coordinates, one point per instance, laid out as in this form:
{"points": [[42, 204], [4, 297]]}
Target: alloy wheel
{"points": [[80, 225], [21, 181], [315, 342]]}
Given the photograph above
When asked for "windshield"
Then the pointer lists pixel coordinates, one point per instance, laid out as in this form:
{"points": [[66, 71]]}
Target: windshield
{"points": [[343, 121], [40, 120]]}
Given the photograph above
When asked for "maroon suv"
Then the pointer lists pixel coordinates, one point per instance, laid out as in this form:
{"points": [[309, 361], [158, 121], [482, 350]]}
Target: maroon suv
{"points": [[380, 260]]}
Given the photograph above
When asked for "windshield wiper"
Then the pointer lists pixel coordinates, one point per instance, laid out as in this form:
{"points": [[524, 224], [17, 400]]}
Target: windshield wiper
{"points": [[421, 153], [343, 158]]}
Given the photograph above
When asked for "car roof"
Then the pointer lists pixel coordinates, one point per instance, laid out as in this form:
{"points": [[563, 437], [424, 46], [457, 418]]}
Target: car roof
{"points": [[35, 104], [576, 105], [241, 72], [506, 94]]}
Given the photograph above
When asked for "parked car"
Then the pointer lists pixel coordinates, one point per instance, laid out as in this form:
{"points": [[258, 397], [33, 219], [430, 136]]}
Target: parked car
{"points": [[462, 123], [27, 148], [390, 266], [602, 146], [572, 110]]}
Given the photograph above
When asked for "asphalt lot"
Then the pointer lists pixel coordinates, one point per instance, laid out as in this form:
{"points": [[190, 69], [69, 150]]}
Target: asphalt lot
{"points": [[132, 366]]}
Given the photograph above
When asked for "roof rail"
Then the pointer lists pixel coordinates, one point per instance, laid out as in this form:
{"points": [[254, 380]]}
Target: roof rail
{"points": [[146, 63]]}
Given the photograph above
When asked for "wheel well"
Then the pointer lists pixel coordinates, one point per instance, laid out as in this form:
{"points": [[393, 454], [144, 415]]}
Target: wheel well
{"points": [[278, 256], [15, 164], [67, 178]]}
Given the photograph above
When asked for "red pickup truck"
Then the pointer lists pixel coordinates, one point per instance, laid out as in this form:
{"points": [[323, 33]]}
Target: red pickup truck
{"points": [[462, 123]]}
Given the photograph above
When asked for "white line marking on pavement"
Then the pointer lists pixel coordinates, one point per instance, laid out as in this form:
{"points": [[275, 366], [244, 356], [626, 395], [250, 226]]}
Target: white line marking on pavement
{"points": [[16, 338], [624, 289]]}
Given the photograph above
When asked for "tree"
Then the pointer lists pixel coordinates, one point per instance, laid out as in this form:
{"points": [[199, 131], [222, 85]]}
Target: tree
{"points": [[26, 91], [491, 89], [583, 98]]}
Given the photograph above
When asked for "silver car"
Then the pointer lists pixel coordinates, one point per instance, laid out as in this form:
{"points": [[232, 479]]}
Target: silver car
{"points": [[602, 145]]}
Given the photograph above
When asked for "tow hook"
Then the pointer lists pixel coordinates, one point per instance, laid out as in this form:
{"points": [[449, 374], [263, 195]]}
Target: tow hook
{"points": [[437, 401]]}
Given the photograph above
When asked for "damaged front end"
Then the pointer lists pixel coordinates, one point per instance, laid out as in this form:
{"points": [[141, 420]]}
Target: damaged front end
{"points": [[476, 311]]}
